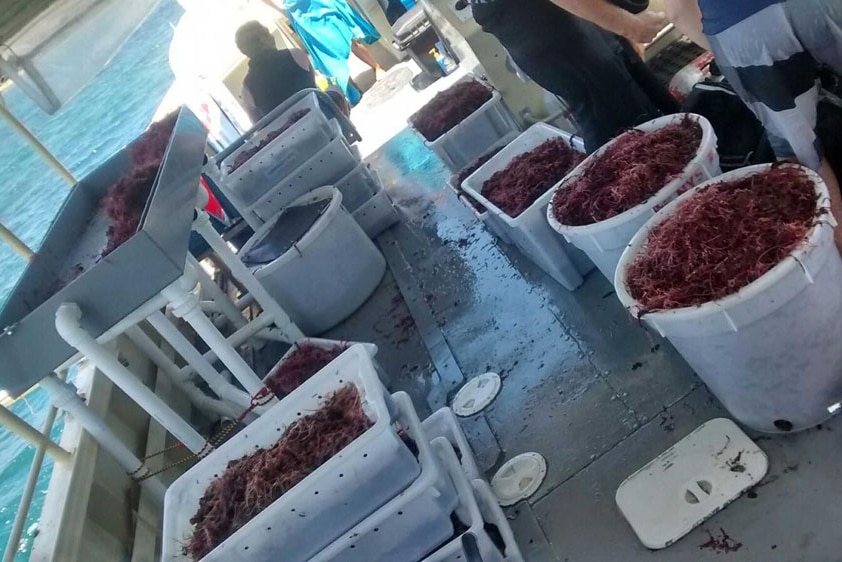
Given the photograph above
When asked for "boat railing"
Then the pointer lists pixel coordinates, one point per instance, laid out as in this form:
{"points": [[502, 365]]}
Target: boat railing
{"points": [[44, 445]]}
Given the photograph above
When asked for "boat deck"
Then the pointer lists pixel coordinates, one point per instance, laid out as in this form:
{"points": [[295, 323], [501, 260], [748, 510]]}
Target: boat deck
{"points": [[583, 384]]}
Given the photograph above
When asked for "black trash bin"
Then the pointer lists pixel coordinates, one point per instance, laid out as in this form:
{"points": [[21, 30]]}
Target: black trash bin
{"points": [[414, 33]]}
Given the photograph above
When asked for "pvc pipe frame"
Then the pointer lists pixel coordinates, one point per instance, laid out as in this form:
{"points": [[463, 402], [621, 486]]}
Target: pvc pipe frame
{"points": [[220, 299], [196, 396], [68, 326], [197, 362], [64, 398], [186, 305], [269, 305]]}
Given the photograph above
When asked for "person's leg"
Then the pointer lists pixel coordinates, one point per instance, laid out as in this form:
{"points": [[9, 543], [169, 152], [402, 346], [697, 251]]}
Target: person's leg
{"points": [[687, 18], [770, 70], [362, 52]]}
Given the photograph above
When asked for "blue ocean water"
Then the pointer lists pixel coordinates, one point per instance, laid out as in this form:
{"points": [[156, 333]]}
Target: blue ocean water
{"points": [[111, 111]]}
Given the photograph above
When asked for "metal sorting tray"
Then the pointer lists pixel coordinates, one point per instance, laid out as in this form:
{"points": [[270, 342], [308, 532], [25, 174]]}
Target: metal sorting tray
{"points": [[109, 290]]}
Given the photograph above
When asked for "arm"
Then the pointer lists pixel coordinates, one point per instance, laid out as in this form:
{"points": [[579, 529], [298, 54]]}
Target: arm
{"points": [[687, 17], [638, 28]]}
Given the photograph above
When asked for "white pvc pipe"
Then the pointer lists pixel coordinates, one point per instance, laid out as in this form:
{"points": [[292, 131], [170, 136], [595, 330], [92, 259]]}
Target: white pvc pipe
{"points": [[212, 290], [64, 398], [253, 329], [202, 366], [269, 305], [68, 327], [185, 305], [170, 369]]}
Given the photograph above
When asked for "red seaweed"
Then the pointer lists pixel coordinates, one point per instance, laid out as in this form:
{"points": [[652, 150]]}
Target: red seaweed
{"points": [[151, 146], [726, 236], [307, 360], [124, 204], [449, 108], [633, 169], [126, 199], [528, 176], [246, 155], [252, 483]]}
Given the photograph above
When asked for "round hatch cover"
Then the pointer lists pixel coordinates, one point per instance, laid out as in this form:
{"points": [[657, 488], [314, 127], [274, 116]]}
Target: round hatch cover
{"points": [[476, 394], [519, 478]]}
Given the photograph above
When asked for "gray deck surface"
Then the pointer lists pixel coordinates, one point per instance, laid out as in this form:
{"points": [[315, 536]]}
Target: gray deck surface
{"points": [[583, 385]]}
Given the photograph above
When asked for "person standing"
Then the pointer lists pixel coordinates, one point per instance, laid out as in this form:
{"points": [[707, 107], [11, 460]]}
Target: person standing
{"points": [[273, 75], [582, 51], [330, 30], [769, 51]]}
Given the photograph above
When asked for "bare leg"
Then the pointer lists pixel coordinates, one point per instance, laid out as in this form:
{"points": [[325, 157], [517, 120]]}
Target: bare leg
{"points": [[687, 18], [830, 179], [364, 54]]}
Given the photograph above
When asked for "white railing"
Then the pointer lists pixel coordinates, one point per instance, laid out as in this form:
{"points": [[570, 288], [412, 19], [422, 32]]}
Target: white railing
{"points": [[43, 446]]}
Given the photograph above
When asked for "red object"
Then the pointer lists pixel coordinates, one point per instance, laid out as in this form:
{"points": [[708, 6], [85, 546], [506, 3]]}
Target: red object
{"points": [[214, 207], [723, 238], [630, 171]]}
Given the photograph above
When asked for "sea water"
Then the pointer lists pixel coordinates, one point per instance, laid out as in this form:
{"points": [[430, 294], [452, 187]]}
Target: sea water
{"points": [[110, 112]]}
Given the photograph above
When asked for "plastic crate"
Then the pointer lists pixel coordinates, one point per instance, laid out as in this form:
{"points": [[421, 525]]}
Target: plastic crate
{"points": [[414, 523], [357, 187], [357, 481], [378, 213], [325, 167], [472, 138], [530, 230], [443, 423], [483, 512], [279, 158]]}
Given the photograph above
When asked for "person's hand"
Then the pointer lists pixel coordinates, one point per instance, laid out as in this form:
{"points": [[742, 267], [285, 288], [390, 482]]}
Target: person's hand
{"points": [[643, 27]]}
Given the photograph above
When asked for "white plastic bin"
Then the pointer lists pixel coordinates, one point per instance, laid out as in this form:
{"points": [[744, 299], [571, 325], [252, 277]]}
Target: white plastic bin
{"points": [[325, 167], [364, 476], [443, 423], [771, 351], [483, 511], [377, 214], [530, 231], [328, 272], [279, 158], [604, 242], [322, 344], [472, 138], [410, 526], [357, 187], [494, 224]]}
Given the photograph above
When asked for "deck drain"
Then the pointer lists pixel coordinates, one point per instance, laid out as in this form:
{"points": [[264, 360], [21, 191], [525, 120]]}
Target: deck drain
{"points": [[476, 394], [689, 482], [519, 478]]}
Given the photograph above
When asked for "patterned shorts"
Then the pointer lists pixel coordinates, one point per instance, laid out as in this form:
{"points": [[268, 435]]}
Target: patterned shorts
{"points": [[772, 58]]}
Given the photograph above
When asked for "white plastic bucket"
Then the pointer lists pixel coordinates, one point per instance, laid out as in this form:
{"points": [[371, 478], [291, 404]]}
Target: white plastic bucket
{"points": [[476, 134], [771, 352], [530, 231], [604, 242], [329, 273]]}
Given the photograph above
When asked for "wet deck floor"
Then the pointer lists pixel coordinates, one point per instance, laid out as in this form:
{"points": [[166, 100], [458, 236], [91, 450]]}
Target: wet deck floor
{"points": [[583, 385]]}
